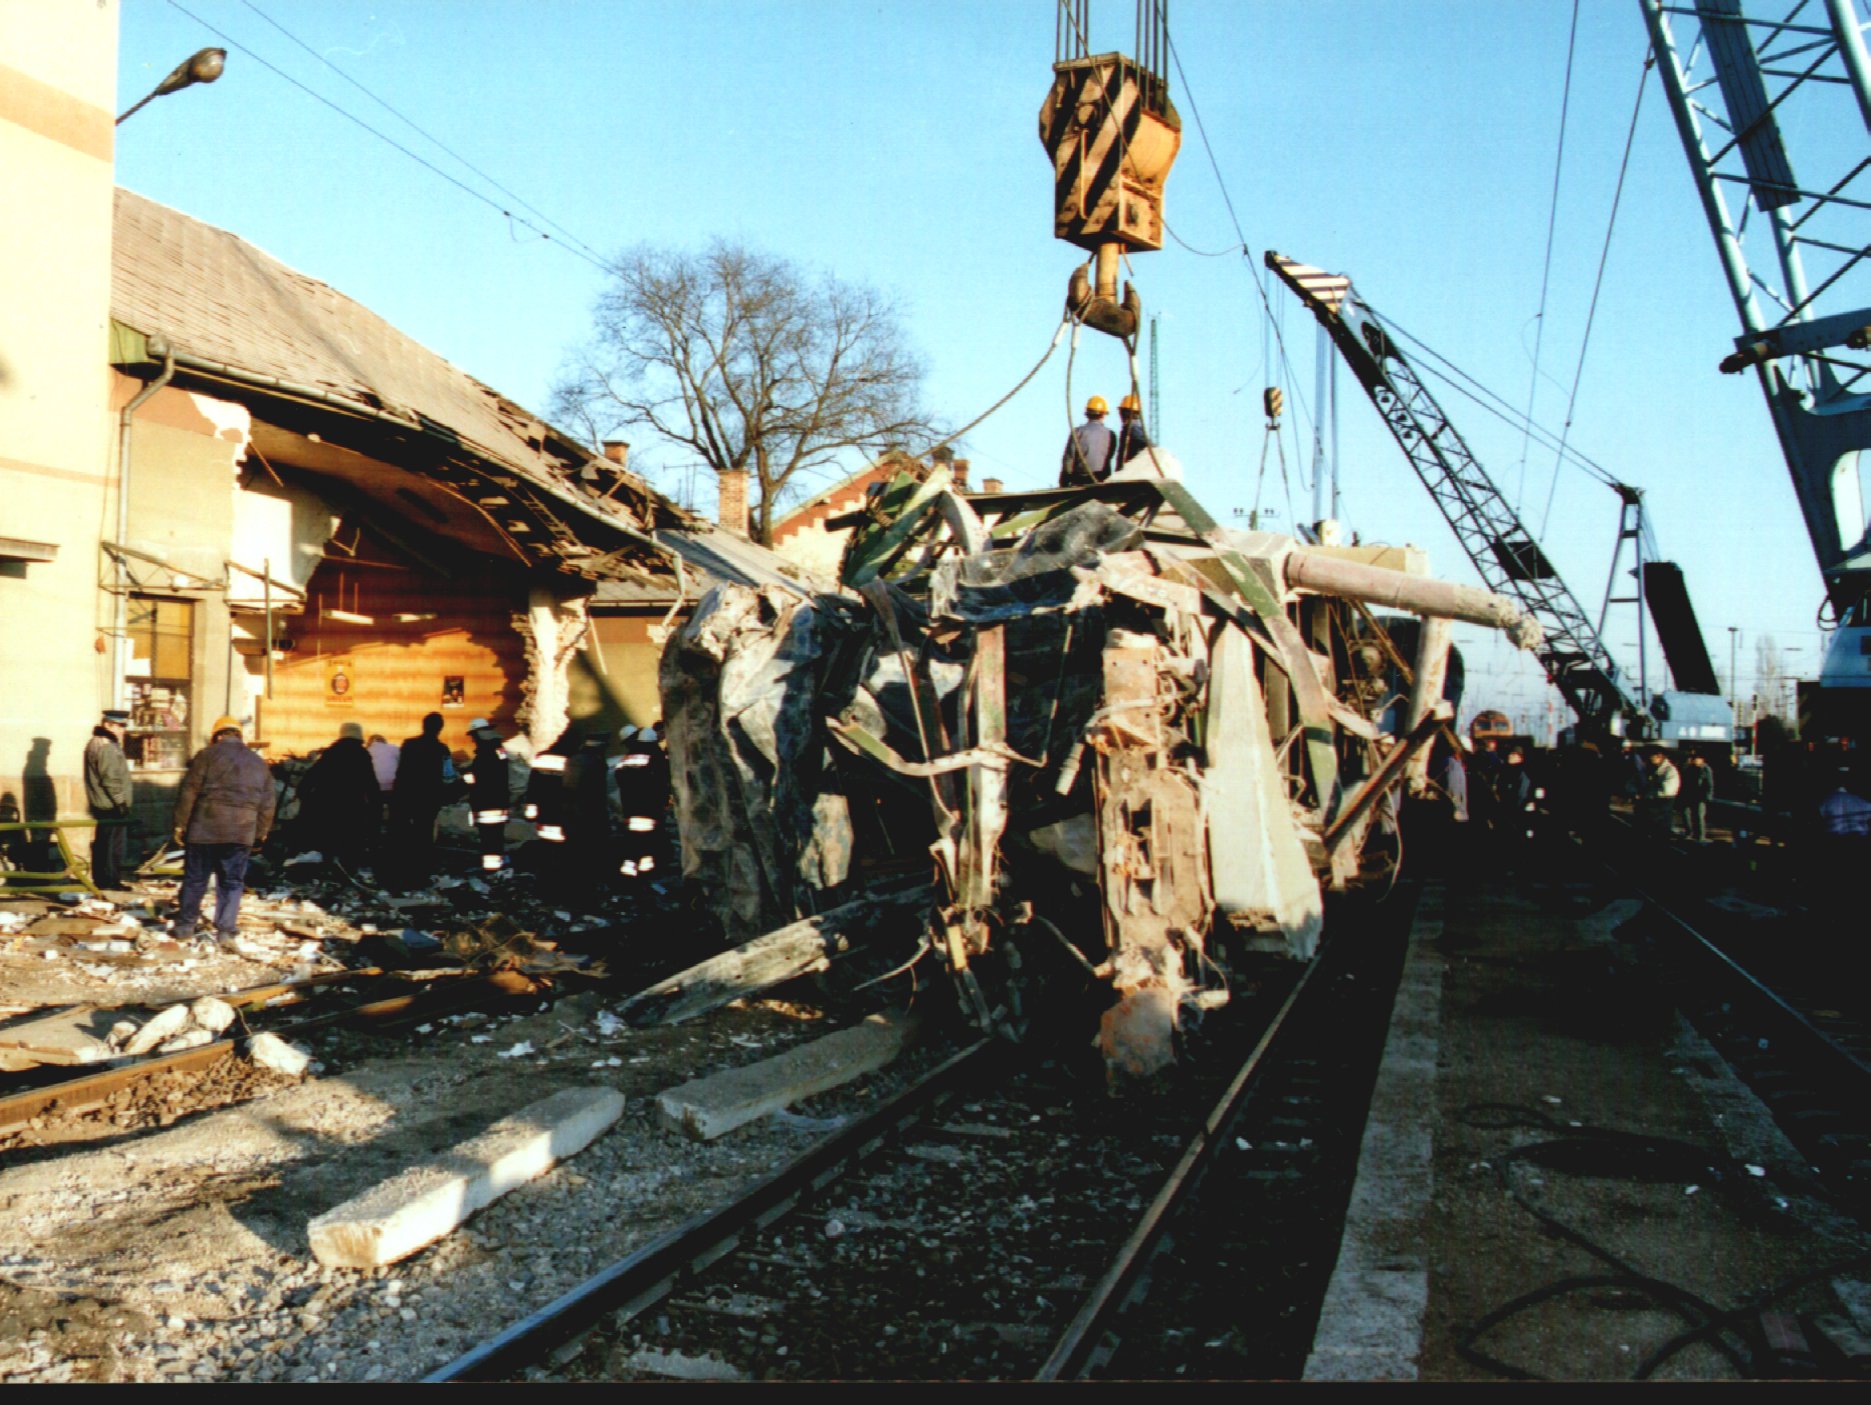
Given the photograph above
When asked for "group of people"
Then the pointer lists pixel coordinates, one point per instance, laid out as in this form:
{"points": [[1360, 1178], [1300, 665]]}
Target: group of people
{"points": [[227, 802], [1094, 450]]}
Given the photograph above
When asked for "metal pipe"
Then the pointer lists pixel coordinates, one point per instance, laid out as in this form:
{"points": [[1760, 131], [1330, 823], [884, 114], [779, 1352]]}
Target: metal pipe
{"points": [[120, 635], [1420, 595], [1386, 774], [1852, 49], [266, 595]]}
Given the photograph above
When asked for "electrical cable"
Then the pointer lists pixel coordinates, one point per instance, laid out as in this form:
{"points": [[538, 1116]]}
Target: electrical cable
{"points": [[1598, 283], [414, 126], [1552, 223], [1607, 1152], [459, 184], [1019, 386]]}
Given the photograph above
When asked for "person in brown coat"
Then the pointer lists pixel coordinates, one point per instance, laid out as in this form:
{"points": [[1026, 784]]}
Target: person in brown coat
{"points": [[222, 813]]}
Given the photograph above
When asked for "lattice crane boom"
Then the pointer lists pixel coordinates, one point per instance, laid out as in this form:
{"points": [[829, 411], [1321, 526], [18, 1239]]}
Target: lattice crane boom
{"points": [[1505, 554]]}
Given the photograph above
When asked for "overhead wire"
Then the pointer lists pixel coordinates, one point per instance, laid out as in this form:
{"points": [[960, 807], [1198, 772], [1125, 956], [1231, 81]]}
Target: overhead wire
{"points": [[1495, 404], [420, 160], [1552, 222], [1604, 254], [416, 127]]}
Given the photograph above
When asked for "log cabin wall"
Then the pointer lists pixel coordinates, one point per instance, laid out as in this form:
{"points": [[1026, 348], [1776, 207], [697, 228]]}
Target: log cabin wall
{"points": [[366, 665]]}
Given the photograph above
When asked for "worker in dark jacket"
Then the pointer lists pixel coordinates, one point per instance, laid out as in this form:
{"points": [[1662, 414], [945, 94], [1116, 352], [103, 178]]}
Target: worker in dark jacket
{"points": [[1131, 439], [488, 795], [340, 802], [1695, 797], [588, 818], [423, 770], [107, 796], [643, 790], [223, 811], [547, 805]]}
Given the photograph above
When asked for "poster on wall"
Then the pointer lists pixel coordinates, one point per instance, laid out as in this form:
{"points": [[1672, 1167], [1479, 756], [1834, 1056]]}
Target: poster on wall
{"points": [[338, 683], [455, 690]]}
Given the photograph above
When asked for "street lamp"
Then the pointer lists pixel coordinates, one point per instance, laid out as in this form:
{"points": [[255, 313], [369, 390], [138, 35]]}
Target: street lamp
{"points": [[202, 66]]}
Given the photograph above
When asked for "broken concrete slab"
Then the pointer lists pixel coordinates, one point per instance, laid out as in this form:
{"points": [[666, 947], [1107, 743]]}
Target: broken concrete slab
{"points": [[678, 1366], [76, 1035], [423, 1203], [706, 1108]]}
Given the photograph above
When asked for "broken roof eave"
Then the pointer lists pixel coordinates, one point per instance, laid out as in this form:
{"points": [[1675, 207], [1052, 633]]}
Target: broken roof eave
{"points": [[574, 528]]}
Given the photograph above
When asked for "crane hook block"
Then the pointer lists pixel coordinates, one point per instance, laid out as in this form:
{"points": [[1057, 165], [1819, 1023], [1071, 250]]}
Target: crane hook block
{"points": [[1112, 134], [1275, 401], [1099, 309]]}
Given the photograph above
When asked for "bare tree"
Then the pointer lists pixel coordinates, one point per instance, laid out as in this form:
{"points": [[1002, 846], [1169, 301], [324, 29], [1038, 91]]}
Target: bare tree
{"points": [[743, 360]]}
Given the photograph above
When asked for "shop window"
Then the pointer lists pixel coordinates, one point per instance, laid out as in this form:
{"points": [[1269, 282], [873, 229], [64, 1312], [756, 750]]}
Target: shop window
{"points": [[160, 682]]}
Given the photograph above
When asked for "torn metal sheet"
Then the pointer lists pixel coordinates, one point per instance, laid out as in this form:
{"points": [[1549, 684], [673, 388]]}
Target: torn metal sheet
{"points": [[1130, 749]]}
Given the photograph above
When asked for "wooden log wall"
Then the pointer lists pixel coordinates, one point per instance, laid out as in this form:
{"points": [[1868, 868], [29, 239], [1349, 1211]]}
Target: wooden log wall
{"points": [[386, 674]]}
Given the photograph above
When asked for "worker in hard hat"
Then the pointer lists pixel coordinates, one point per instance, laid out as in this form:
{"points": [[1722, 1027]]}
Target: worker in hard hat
{"points": [[1131, 439], [1089, 451], [223, 812]]}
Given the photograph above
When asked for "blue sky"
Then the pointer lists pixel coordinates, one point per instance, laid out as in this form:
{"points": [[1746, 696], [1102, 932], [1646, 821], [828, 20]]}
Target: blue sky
{"points": [[1409, 145]]}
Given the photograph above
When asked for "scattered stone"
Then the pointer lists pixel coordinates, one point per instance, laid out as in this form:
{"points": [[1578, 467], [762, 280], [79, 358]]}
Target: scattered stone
{"points": [[212, 1014], [164, 1027], [270, 1051]]}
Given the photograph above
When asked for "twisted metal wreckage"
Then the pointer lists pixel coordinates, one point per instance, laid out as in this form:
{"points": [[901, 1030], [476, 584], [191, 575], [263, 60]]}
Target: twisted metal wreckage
{"points": [[1134, 743]]}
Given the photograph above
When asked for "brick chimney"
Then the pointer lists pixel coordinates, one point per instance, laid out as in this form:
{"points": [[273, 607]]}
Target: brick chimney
{"points": [[960, 469], [733, 494], [990, 485], [617, 451]]}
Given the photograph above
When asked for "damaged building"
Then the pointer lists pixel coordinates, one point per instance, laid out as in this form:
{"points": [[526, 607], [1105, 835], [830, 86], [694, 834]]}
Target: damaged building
{"points": [[1085, 746]]}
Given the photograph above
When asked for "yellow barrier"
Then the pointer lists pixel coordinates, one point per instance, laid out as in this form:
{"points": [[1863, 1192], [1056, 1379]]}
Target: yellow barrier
{"points": [[76, 871]]}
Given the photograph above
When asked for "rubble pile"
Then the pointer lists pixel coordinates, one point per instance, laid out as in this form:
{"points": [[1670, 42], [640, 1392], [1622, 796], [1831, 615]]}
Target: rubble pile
{"points": [[1128, 746]]}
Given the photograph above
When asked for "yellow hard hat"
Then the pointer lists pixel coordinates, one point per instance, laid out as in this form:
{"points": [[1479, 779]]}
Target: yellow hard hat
{"points": [[224, 724], [1129, 402], [1096, 405]]}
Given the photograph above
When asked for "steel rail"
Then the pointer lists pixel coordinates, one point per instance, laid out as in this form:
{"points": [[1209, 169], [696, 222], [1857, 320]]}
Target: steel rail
{"points": [[1081, 1348], [86, 1089], [1828, 1059], [646, 1276]]}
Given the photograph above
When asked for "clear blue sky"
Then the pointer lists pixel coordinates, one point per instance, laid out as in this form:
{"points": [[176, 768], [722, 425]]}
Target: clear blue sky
{"points": [[1409, 145]]}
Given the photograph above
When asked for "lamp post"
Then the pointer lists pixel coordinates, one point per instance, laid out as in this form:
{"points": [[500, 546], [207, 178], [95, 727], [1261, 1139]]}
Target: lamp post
{"points": [[1734, 705], [202, 66]]}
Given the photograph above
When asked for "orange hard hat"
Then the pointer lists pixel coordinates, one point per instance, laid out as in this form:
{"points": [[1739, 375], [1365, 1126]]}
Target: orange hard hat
{"points": [[224, 724], [1129, 402], [1096, 405]]}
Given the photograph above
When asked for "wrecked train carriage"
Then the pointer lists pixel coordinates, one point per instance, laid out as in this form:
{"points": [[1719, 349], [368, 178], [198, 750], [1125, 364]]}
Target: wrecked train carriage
{"points": [[1130, 743]]}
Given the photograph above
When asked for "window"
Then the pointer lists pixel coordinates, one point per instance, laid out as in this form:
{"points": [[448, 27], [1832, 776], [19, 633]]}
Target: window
{"points": [[162, 636]]}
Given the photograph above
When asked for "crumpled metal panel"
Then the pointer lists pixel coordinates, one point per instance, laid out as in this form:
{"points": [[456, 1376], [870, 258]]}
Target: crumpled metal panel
{"points": [[742, 683]]}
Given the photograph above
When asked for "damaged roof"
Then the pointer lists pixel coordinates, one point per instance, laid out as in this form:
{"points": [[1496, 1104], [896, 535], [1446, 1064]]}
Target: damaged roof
{"points": [[217, 299]]}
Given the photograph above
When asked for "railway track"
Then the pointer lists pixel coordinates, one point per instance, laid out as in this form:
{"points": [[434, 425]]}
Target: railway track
{"points": [[278, 1009], [1002, 1217], [1777, 999]]}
